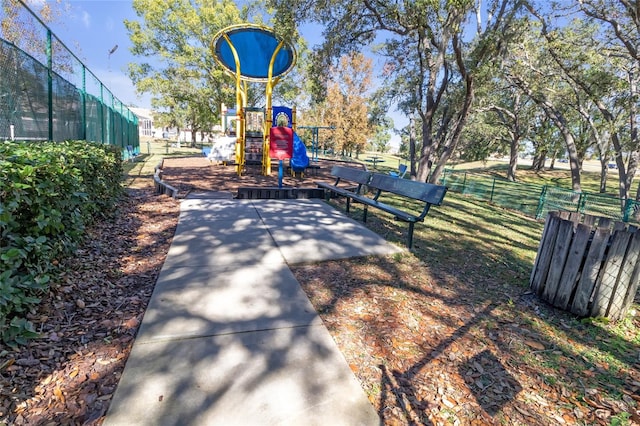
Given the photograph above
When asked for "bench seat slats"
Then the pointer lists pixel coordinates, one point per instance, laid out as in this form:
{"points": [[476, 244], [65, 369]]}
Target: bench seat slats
{"points": [[336, 189], [429, 194]]}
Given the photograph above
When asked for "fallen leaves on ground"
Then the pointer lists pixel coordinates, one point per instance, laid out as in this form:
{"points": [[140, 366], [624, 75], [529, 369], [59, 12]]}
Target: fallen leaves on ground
{"points": [[89, 318], [430, 344]]}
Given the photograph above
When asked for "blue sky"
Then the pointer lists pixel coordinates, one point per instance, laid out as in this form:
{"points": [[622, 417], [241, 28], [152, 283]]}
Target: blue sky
{"points": [[94, 27]]}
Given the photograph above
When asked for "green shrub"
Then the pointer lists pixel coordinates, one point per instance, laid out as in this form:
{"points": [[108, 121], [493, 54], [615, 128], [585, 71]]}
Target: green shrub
{"points": [[49, 193]]}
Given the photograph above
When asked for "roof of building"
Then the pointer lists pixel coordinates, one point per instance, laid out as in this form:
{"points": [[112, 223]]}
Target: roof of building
{"points": [[142, 113]]}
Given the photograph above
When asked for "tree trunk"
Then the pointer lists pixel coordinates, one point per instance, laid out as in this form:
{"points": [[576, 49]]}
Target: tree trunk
{"points": [[635, 153], [513, 158], [552, 164], [539, 159], [574, 161], [558, 119], [428, 148], [604, 169], [575, 165], [412, 146]]}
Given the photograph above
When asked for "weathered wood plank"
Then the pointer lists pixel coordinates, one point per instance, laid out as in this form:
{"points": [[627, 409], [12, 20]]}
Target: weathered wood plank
{"points": [[571, 270], [589, 220], [635, 278], [604, 222], [609, 275], [590, 270], [545, 250], [545, 234], [620, 226], [558, 259], [626, 289]]}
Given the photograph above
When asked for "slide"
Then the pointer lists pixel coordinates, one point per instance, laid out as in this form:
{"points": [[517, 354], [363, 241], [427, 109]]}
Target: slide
{"points": [[299, 160]]}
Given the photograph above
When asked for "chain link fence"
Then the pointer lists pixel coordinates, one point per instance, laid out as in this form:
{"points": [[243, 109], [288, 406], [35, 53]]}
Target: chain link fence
{"points": [[47, 93], [537, 200]]}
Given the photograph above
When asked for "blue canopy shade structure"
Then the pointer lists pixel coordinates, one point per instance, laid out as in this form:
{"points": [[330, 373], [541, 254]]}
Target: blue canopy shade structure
{"points": [[251, 48]]}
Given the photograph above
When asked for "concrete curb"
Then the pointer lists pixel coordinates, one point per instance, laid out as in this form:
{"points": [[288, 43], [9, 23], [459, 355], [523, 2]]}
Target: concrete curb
{"points": [[161, 186]]}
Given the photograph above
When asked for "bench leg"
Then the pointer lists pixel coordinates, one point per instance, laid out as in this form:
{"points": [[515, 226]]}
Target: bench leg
{"points": [[348, 203], [410, 236], [364, 215]]}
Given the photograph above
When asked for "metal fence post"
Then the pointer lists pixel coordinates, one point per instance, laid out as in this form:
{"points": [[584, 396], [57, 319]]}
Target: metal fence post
{"points": [[50, 81], [83, 94], [627, 210], [541, 202], [582, 202], [101, 114]]}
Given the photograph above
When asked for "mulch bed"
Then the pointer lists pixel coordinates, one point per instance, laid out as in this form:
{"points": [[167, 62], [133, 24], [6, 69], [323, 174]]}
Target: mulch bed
{"points": [[429, 345], [89, 318], [196, 174]]}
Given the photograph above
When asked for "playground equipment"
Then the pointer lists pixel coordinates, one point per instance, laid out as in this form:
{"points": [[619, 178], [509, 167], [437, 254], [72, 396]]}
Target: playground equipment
{"points": [[284, 143], [252, 53]]}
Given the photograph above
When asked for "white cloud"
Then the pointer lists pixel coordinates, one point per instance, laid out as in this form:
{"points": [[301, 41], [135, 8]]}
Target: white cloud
{"points": [[38, 3], [86, 19]]}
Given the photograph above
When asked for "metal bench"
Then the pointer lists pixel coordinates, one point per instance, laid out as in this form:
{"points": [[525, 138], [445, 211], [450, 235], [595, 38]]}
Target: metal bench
{"points": [[379, 184], [355, 179]]}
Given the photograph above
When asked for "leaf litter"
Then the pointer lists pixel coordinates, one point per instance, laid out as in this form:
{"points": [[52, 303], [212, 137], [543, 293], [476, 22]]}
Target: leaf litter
{"points": [[429, 344]]}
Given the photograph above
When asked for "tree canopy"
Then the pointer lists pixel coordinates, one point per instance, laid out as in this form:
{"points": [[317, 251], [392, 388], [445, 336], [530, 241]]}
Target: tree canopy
{"points": [[477, 77], [430, 67], [177, 68]]}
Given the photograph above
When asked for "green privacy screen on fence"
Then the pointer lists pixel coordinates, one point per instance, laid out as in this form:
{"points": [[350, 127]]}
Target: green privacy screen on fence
{"points": [[49, 94]]}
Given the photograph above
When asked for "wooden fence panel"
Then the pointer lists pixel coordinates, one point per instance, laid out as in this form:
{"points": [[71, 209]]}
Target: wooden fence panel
{"points": [[558, 259], [589, 220], [604, 222], [586, 269], [609, 275], [635, 276], [626, 288], [545, 250], [590, 271], [572, 266]]}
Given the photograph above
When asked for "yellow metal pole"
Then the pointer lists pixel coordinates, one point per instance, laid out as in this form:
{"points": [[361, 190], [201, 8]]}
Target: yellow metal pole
{"points": [[266, 159], [293, 117], [240, 121]]}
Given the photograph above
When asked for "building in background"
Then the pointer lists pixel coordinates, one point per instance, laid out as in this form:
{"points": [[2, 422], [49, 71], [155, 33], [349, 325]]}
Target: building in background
{"points": [[146, 127]]}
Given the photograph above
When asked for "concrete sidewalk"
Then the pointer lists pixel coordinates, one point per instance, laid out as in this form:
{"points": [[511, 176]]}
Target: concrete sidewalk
{"points": [[229, 337]]}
